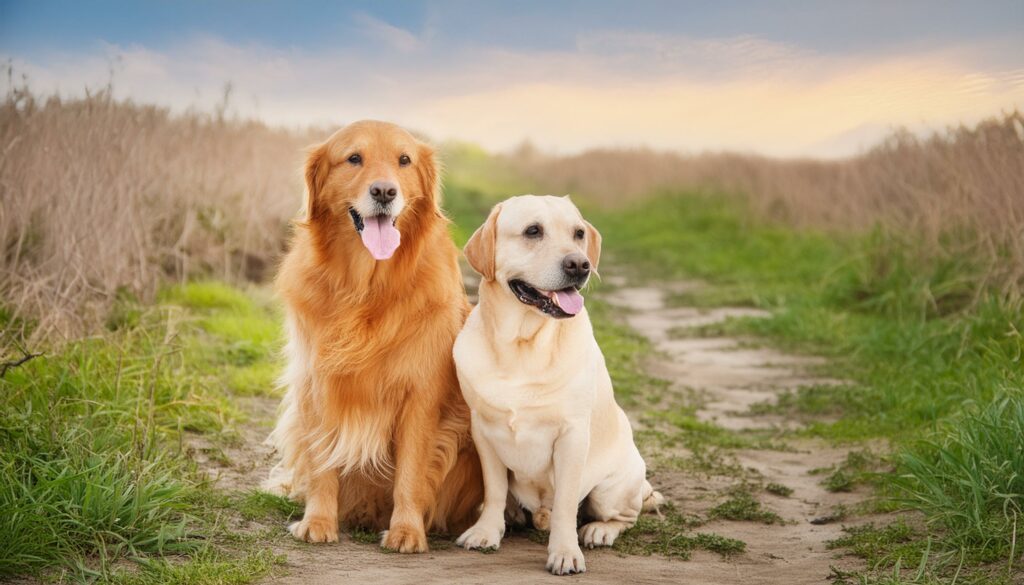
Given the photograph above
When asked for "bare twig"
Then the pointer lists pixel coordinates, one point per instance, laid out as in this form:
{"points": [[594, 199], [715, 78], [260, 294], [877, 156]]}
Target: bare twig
{"points": [[11, 364]]}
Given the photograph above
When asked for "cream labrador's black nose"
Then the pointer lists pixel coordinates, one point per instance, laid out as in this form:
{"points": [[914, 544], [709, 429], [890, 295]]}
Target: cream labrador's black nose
{"points": [[383, 192], [576, 265]]}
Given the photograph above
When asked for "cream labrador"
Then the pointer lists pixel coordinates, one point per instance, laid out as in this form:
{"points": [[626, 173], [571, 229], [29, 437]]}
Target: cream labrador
{"points": [[538, 388]]}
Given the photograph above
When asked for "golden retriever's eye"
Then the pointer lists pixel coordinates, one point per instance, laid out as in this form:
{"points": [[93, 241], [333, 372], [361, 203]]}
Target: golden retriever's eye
{"points": [[534, 231], [580, 233], [356, 159], [404, 160]]}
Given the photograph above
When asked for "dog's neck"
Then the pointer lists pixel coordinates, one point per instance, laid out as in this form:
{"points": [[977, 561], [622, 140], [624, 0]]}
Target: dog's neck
{"points": [[511, 323]]}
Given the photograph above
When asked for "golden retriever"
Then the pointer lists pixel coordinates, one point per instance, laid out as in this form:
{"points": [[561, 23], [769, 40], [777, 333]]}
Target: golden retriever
{"points": [[373, 430], [536, 382]]}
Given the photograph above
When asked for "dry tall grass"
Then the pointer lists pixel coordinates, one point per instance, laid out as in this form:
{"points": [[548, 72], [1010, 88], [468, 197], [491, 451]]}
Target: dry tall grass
{"points": [[957, 193], [99, 196]]}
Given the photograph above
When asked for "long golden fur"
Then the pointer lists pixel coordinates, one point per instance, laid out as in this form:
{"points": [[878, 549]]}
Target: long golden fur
{"points": [[374, 431]]}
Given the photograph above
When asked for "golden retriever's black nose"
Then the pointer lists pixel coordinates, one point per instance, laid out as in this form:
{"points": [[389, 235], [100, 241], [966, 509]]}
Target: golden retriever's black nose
{"points": [[383, 191], [576, 265]]}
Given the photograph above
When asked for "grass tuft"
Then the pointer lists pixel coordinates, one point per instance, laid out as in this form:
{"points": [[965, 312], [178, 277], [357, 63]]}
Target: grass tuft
{"points": [[741, 505], [969, 480], [671, 535]]}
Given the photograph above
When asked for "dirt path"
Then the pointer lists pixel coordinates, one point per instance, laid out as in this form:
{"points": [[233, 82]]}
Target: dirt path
{"points": [[726, 377]]}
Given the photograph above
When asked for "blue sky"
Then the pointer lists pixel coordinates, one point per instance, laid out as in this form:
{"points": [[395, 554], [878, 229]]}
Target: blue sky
{"points": [[785, 78]]}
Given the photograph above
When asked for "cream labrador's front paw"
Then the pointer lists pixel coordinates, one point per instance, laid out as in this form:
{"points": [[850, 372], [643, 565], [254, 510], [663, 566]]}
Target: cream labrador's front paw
{"points": [[566, 559], [482, 535]]}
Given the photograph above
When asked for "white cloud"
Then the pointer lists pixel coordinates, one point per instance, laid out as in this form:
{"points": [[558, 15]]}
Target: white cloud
{"points": [[393, 36], [616, 88]]}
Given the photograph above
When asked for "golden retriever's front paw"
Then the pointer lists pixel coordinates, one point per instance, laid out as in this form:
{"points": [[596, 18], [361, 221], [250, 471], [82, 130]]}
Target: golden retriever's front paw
{"points": [[481, 536], [566, 559], [316, 529], [404, 539]]}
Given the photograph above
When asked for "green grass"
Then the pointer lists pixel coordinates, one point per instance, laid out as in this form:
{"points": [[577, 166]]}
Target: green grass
{"points": [[883, 547], [778, 489], [672, 535], [624, 351], [919, 342], [94, 463], [859, 467], [741, 505], [474, 181], [969, 480]]}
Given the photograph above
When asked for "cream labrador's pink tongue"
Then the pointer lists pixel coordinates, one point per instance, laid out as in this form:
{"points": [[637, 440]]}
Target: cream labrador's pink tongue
{"points": [[570, 300], [380, 236]]}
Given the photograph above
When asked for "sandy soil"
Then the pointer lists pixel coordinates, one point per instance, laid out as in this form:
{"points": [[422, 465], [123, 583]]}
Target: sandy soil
{"points": [[728, 376]]}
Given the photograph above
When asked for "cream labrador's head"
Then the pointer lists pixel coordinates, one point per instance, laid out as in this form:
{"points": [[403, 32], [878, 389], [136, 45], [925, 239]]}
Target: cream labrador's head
{"points": [[539, 249]]}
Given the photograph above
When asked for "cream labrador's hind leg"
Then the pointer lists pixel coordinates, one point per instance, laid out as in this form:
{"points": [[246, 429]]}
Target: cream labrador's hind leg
{"points": [[615, 504]]}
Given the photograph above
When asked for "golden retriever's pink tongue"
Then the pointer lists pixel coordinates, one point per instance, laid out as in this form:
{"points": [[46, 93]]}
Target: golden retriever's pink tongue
{"points": [[571, 301], [380, 237]]}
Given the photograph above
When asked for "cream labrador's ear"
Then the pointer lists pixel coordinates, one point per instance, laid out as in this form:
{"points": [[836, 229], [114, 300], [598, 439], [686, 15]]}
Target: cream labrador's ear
{"points": [[593, 244], [480, 247], [317, 168]]}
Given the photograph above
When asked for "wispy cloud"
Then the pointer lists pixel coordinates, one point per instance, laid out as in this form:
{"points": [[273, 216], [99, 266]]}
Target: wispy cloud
{"points": [[392, 36], [612, 88]]}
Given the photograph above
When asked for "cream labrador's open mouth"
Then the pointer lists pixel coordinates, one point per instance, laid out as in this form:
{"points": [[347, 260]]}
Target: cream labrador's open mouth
{"points": [[560, 304]]}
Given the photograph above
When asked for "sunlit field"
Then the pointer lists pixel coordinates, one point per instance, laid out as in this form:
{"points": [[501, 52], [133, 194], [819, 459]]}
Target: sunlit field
{"points": [[140, 339]]}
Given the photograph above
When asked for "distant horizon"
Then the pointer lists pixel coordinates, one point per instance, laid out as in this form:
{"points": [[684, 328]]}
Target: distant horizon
{"points": [[796, 79], [923, 132]]}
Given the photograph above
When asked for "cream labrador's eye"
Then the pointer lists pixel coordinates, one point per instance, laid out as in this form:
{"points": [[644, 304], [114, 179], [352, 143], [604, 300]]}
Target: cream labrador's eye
{"points": [[580, 233], [534, 231]]}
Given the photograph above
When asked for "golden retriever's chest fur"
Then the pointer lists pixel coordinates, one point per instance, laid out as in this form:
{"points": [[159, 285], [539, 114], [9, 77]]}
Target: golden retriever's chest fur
{"points": [[367, 349]]}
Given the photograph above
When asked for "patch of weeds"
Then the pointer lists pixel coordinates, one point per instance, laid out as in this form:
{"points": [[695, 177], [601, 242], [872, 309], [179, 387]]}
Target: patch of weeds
{"points": [[657, 445], [778, 489], [884, 546], [815, 400], [859, 467], [364, 536], [439, 541], [741, 505], [206, 568], [670, 535], [692, 432], [837, 514], [258, 505], [538, 536]]}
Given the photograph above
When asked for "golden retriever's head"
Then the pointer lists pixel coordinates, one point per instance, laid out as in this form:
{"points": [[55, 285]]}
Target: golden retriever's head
{"points": [[541, 248], [369, 176]]}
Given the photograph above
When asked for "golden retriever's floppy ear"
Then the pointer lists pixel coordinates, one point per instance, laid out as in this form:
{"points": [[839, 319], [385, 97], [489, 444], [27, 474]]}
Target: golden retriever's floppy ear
{"points": [[480, 247], [317, 168], [593, 244], [429, 170]]}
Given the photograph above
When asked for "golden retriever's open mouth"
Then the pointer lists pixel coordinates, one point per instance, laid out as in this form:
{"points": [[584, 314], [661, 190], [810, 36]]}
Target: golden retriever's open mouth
{"points": [[560, 304], [379, 234]]}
